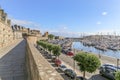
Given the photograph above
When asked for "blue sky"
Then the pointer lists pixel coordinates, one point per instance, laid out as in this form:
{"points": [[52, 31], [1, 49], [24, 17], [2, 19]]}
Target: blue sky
{"points": [[65, 17]]}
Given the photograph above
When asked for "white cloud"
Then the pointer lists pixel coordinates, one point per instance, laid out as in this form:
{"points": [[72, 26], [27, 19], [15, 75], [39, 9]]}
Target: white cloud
{"points": [[109, 31], [67, 33], [64, 27], [99, 23], [60, 30], [25, 23], [104, 13]]}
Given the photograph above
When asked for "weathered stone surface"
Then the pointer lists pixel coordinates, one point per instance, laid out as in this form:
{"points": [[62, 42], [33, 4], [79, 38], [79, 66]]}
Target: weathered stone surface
{"points": [[12, 63], [37, 66]]}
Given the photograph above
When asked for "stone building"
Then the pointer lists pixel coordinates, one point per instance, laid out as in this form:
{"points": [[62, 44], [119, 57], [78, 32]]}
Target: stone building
{"points": [[20, 31], [9, 34], [45, 34], [59, 37], [17, 34], [36, 33], [6, 33]]}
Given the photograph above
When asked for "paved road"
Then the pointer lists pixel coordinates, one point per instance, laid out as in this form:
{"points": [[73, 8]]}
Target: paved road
{"points": [[68, 60], [12, 62], [46, 56]]}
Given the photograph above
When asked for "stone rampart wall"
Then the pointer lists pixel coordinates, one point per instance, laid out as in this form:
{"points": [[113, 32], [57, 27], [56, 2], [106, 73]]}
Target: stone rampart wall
{"points": [[38, 67], [7, 36]]}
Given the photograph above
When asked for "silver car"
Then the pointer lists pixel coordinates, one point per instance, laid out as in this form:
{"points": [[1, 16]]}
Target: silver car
{"points": [[62, 67], [108, 71]]}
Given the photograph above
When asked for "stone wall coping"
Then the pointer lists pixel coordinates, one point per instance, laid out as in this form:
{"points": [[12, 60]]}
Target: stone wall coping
{"points": [[45, 70]]}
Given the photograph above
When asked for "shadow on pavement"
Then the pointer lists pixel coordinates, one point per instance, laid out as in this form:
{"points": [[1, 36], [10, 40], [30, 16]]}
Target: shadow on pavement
{"points": [[97, 77]]}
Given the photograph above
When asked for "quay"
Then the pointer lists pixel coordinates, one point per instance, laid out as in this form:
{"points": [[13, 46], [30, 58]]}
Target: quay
{"points": [[104, 60], [102, 42]]}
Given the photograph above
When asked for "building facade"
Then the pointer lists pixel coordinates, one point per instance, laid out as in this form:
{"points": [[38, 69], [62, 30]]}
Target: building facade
{"points": [[9, 34], [6, 33], [46, 34]]}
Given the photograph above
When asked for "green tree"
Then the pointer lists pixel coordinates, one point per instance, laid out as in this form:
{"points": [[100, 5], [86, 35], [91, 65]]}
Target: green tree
{"points": [[41, 43], [50, 36], [57, 50], [87, 62], [117, 75], [50, 47], [45, 45]]}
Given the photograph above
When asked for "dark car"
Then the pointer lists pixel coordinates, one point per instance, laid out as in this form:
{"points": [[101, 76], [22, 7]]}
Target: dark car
{"points": [[80, 78], [108, 71], [62, 67], [70, 73], [48, 56], [64, 51]]}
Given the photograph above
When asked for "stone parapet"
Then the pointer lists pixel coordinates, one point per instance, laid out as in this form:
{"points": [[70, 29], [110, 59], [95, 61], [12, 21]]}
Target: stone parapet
{"points": [[4, 46], [38, 67], [42, 38]]}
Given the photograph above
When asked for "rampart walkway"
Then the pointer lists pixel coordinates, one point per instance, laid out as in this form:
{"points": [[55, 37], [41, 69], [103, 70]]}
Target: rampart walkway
{"points": [[12, 62]]}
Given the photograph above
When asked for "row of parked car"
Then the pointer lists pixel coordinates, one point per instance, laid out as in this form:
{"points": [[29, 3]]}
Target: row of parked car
{"points": [[70, 73], [67, 51], [108, 71]]}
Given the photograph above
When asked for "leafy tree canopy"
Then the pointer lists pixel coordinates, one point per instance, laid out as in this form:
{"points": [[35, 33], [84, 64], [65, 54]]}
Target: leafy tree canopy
{"points": [[87, 62], [50, 36], [50, 47], [117, 75], [56, 50]]}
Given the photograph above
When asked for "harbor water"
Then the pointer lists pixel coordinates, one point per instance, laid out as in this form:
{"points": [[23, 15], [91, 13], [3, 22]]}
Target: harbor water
{"points": [[110, 53]]}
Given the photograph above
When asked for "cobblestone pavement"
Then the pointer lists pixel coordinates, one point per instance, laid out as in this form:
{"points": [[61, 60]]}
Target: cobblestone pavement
{"points": [[12, 62]]}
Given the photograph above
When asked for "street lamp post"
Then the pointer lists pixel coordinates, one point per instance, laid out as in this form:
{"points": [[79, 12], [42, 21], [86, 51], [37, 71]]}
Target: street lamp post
{"points": [[73, 59], [117, 62], [99, 54], [73, 56]]}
